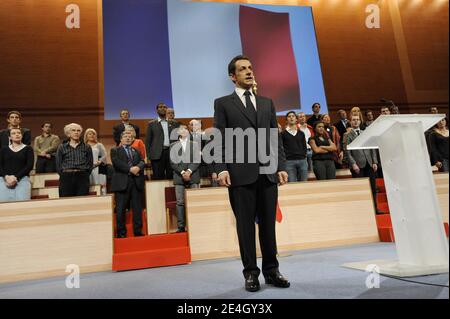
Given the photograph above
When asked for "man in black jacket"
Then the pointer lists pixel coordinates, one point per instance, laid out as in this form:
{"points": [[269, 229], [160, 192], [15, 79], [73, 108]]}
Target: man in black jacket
{"points": [[119, 128], [128, 182], [157, 143], [253, 192], [14, 118]]}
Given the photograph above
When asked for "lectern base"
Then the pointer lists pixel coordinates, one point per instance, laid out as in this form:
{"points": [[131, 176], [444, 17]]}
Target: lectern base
{"points": [[394, 268]]}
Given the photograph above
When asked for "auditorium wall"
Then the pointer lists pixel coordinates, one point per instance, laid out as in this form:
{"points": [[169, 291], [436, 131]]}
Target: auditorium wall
{"points": [[50, 72]]}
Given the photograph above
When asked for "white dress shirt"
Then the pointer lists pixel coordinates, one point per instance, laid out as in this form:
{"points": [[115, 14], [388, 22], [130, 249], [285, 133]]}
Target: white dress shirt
{"points": [[240, 92]]}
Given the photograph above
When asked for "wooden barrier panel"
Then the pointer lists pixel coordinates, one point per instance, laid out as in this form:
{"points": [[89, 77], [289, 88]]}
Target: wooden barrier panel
{"points": [[156, 206], [315, 214], [38, 180], [40, 238], [53, 191], [441, 181]]}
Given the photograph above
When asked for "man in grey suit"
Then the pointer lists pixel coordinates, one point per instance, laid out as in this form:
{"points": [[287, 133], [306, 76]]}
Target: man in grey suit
{"points": [[362, 163], [157, 143], [185, 159]]}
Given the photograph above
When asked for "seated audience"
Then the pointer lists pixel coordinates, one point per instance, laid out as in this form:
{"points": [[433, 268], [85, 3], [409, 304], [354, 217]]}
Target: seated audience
{"points": [[439, 146], [308, 131], [185, 160], [74, 163], [323, 153], [98, 157], [16, 162], [128, 184], [14, 118], [294, 144], [119, 128], [45, 146]]}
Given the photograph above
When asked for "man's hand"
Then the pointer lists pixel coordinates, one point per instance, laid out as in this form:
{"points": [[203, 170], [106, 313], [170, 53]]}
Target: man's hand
{"points": [[375, 167], [135, 170], [214, 177], [48, 156], [355, 168], [438, 164], [282, 177], [43, 154], [11, 181], [224, 179]]}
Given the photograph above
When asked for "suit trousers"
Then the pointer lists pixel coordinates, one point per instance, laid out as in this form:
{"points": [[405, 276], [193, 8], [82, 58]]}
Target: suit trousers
{"points": [[161, 167], [74, 184], [122, 200], [367, 171], [256, 200]]}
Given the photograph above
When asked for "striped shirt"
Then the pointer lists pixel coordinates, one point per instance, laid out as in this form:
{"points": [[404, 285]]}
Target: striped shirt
{"points": [[68, 157]]}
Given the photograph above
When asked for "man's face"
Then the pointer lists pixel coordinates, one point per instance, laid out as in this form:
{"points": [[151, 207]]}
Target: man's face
{"points": [[124, 116], [75, 133], [291, 119], [369, 116], [14, 120], [195, 126], [316, 108], [385, 111], [161, 110], [302, 118], [47, 128], [243, 76], [355, 122], [170, 114], [434, 110], [183, 131], [126, 138], [343, 115]]}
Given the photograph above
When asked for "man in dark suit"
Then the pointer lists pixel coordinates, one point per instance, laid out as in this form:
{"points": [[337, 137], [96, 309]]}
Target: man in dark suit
{"points": [[119, 128], [362, 163], [157, 143], [252, 192], [14, 118], [185, 158], [341, 125], [127, 183]]}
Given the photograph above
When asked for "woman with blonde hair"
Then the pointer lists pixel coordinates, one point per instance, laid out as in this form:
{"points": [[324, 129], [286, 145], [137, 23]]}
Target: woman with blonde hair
{"points": [[99, 158]]}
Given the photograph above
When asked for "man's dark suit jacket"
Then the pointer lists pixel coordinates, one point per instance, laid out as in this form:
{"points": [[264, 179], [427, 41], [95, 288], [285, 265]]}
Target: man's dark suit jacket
{"points": [[341, 128], [119, 158], [186, 162], [154, 141], [4, 137], [229, 112], [119, 128]]}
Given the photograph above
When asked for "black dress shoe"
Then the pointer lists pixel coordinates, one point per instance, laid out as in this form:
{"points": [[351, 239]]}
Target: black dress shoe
{"points": [[252, 283], [138, 235], [121, 235], [277, 280], [181, 230]]}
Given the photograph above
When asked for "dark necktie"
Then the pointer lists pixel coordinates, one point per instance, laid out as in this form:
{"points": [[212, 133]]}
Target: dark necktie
{"points": [[129, 155], [248, 102]]}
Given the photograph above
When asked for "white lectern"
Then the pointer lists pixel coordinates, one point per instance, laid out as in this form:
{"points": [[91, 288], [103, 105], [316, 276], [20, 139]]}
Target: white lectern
{"points": [[422, 246]]}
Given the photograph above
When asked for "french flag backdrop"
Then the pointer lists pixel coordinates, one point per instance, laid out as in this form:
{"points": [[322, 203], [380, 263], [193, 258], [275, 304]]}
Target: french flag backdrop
{"points": [[177, 52]]}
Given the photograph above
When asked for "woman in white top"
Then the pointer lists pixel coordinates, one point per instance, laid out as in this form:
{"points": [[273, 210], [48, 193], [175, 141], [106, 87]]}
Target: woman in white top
{"points": [[99, 157]]}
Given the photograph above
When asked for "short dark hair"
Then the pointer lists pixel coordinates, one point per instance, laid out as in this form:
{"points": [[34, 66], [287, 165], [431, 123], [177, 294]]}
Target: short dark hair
{"points": [[160, 103], [367, 112], [290, 112], [232, 64], [317, 123], [43, 124], [9, 130], [14, 112], [385, 107], [433, 107], [316, 103]]}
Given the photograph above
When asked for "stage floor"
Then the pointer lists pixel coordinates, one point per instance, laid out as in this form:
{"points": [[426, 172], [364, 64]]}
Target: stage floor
{"points": [[315, 273]]}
